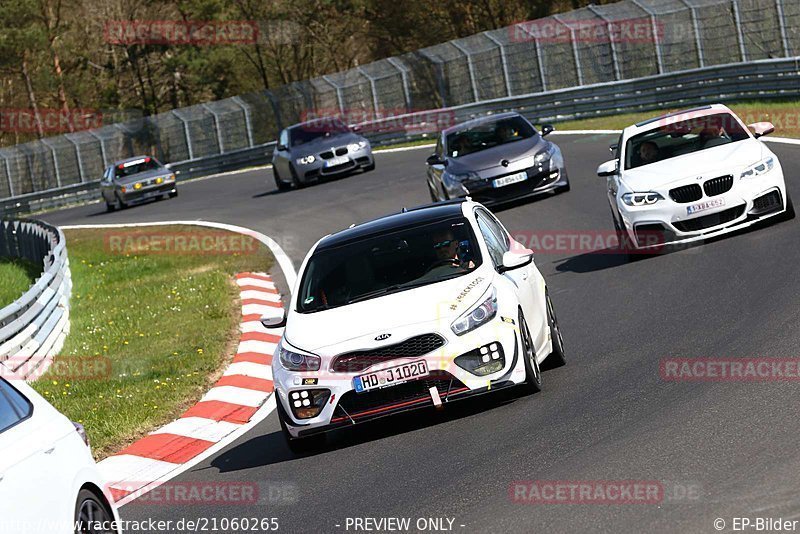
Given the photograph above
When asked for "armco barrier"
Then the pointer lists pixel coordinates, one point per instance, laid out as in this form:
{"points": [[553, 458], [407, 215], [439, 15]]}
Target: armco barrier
{"points": [[755, 80], [33, 328]]}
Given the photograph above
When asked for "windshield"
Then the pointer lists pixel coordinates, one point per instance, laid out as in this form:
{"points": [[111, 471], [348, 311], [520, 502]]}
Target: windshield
{"points": [[136, 166], [300, 135], [682, 137], [488, 135], [388, 263]]}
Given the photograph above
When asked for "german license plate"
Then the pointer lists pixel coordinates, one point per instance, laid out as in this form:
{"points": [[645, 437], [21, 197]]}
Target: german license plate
{"points": [[333, 162], [391, 376], [510, 179], [703, 206]]}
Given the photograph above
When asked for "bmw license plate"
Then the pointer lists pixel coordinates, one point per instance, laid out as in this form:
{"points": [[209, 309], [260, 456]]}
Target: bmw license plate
{"points": [[333, 162], [703, 206], [510, 179], [391, 376]]}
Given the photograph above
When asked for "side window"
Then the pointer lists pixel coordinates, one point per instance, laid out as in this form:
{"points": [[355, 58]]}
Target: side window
{"points": [[496, 228], [492, 242], [13, 406], [284, 138], [618, 152]]}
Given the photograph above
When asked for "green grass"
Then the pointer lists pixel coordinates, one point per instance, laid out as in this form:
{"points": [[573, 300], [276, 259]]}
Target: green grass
{"points": [[785, 115], [16, 277], [149, 333]]}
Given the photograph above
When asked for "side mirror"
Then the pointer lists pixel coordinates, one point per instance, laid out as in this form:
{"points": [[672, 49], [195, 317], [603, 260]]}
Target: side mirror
{"points": [[547, 128], [609, 168], [168, 165], [514, 259], [435, 159], [761, 129], [281, 148], [274, 318], [613, 147]]}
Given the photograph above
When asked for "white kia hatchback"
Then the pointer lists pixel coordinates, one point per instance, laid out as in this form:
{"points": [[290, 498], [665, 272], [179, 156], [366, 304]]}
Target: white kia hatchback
{"points": [[412, 310], [49, 483], [692, 175]]}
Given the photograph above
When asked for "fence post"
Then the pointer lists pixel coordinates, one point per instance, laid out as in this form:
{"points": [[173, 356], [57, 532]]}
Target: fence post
{"points": [[738, 20], [614, 59], [373, 89], [216, 127], [46, 143], [189, 146], [503, 60], [656, 39], [338, 93], [578, 68], [77, 156], [782, 24], [8, 176], [404, 77], [470, 68], [698, 42], [248, 125]]}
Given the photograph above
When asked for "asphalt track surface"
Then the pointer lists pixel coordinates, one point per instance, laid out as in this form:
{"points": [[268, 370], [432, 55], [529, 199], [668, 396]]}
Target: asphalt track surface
{"points": [[607, 415]]}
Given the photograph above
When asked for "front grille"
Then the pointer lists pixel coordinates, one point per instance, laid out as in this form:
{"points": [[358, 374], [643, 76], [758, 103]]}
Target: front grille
{"points": [[772, 201], [406, 395], [710, 221], [353, 362], [718, 186], [686, 193], [328, 154]]}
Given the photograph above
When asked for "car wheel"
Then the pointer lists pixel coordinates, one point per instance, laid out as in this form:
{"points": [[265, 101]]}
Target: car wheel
{"points": [[110, 206], [298, 445], [370, 167], [280, 184], [789, 213], [563, 188], [434, 196], [173, 194], [91, 511], [556, 358], [625, 246], [120, 203], [295, 179], [533, 374]]}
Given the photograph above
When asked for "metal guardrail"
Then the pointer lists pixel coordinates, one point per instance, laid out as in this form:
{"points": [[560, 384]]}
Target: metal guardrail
{"points": [[33, 328], [756, 80]]}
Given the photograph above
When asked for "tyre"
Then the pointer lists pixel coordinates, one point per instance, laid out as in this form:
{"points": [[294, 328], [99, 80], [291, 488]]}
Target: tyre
{"points": [[434, 196], [563, 188], [789, 213], [280, 184], [110, 206], [91, 510], [370, 167], [173, 194], [298, 445], [295, 179], [556, 358], [533, 374], [120, 203]]}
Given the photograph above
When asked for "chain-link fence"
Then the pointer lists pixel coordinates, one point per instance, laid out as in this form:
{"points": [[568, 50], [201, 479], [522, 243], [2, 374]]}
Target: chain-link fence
{"points": [[597, 44]]}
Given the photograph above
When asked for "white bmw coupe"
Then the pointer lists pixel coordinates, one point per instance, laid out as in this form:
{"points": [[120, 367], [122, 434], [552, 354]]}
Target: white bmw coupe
{"points": [[692, 175], [411, 310]]}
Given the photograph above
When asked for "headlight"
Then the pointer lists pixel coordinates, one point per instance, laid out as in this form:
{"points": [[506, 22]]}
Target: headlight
{"points": [[295, 361], [463, 177], [480, 314], [305, 160], [352, 147], [171, 178], [545, 154], [641, 199], [762, 167]]}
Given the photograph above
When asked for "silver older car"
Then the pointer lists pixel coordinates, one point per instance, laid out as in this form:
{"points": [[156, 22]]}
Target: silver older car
{"points": [[136, 179], [312, 150], [494, 159]]}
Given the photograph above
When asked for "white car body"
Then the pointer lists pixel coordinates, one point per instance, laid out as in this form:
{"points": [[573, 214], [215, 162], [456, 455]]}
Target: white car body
{"points": [[44, 465], [387, 321], [709, 215]]}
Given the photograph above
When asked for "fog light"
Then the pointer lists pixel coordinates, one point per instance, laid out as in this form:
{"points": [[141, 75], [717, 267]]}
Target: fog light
{"points": [[308, 403], [483, 361], [137, 186]]}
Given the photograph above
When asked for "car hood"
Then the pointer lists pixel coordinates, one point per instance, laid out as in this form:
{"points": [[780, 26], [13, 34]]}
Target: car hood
{"points": [[325, 143], [146, 175], [443, 301], [491, 157], [718, 161]]}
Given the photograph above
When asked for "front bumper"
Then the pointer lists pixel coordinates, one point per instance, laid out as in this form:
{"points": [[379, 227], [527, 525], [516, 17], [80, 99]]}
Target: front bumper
{"points": [[357, 159], [748, 202], [537, 183], [147, 193], [346, 407]]}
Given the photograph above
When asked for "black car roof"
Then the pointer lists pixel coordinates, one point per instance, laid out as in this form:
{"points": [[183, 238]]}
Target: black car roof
{"points": [[480, 120], [406, 219], [673, 114]]}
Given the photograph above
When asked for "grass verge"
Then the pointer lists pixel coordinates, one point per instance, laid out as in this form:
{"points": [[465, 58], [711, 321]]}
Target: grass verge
{"points": [[785, 115], [150, 332], [16, 277]]}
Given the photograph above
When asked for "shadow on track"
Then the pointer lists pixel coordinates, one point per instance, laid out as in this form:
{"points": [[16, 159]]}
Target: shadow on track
{"points": [[269, 449]]}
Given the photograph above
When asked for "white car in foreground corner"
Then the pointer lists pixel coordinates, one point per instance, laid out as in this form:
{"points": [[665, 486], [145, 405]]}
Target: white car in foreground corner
{"points": [[49, 483], [692, 175], [411, 310]]}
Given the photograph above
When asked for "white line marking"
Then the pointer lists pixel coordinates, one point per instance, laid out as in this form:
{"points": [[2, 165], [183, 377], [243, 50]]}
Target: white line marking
{"points": [[236, 395], [255, 370], [261, 295], [198, 428], [255, 282]]}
